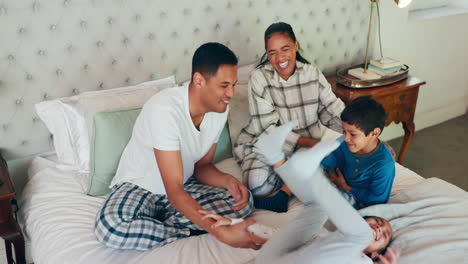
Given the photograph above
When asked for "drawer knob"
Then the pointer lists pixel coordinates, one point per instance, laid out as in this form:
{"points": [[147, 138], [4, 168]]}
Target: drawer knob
{"points": [[402, 96]]}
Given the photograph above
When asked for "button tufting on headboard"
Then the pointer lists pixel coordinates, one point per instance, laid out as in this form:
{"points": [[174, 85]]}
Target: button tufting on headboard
{"points": [[52, 49]]}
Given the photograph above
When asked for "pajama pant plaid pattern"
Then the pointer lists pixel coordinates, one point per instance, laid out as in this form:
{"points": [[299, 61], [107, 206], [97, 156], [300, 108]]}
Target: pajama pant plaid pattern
{"points": [[134, 218], [261, 178]]}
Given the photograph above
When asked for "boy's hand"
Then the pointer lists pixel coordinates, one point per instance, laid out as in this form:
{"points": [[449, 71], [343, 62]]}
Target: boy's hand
{"points": [[338, 179], [390, 257]]}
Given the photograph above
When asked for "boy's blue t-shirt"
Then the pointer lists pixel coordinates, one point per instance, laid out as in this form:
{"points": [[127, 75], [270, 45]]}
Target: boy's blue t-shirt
{"points": [[370, 175]]}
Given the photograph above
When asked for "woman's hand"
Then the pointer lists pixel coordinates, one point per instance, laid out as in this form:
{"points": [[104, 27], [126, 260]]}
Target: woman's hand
{"points": [[391, 149], [304, 142]]}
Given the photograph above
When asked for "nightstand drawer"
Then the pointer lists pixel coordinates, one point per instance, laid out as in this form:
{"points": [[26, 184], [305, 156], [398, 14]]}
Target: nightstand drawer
{"points": [[399, 107]]}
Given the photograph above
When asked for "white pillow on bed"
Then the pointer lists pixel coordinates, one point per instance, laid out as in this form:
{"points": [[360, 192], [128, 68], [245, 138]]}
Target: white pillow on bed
{"points": [[70, 119], [243, 72], [239, 114]]}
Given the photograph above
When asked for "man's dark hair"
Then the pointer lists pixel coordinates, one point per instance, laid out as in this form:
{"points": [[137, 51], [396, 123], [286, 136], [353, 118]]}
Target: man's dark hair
{"points": [[283, 28], [365, 113], [209, 56]]}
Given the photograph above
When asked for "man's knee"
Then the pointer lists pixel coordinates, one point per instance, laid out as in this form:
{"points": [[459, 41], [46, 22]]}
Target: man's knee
{"points": [[103, 234], [111, 236]]}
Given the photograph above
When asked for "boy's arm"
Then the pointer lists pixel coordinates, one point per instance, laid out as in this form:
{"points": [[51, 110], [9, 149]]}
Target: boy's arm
{"points": [[206, 173], [171, 168], [332, 164], [336, 176]]}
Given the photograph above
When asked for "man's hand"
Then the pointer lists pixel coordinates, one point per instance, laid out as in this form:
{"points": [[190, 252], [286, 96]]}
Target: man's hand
{"points": [[390, 257], [237, 235], [239, 192], [338, 179]]}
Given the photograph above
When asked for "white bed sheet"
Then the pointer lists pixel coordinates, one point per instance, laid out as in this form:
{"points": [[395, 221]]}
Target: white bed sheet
{"points": [[58, 220]]}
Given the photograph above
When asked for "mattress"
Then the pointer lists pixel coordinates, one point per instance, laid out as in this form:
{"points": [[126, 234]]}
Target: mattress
{"points": [[58, 220]]}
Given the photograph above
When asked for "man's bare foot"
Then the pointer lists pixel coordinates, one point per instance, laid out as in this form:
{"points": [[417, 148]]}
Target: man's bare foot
{"points": [[260, 230]]}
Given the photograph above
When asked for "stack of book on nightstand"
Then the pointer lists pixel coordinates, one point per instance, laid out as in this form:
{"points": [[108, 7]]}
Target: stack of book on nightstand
{"points": [[377, 69], [385, 66]]}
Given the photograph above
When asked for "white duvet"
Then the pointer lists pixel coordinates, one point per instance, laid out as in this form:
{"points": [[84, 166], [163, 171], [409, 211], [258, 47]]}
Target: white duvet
{"points": [[58, 220]]}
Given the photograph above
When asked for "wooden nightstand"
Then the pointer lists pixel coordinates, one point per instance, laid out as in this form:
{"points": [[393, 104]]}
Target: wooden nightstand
{"points": [[9, 228], [399, 100]]}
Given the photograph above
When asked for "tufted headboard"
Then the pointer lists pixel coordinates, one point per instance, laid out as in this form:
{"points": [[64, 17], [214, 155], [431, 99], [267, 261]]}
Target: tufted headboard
{"points": [[51, 49]]}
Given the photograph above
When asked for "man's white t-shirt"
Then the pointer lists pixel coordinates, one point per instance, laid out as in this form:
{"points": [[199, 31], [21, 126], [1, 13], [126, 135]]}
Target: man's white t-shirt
{"points": [[165, 124]]}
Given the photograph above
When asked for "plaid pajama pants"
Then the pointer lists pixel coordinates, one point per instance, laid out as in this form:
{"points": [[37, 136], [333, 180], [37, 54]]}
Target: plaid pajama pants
{"points": [[261, 178], [134, 218]]}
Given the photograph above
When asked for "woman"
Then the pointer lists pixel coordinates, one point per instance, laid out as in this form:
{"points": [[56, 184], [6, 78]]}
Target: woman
{"points": [[284, 87]]}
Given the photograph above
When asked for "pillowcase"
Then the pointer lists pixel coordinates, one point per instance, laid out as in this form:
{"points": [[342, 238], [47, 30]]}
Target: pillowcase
{"points": [[224, 146], [51, 114], [111, 132], [239, 114], [243, 72], [70, 119]]}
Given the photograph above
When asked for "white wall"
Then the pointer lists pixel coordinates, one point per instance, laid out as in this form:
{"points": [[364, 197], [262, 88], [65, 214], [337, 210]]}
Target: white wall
{"points": [[436, 51]]}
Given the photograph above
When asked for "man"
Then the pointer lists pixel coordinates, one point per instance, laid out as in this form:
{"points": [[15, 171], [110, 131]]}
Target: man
{"points": [[165, 174]]}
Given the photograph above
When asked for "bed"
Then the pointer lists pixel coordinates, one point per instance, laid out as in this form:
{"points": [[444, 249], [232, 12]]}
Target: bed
{"points": [[58, 220], [57, 51], [59, 203]]}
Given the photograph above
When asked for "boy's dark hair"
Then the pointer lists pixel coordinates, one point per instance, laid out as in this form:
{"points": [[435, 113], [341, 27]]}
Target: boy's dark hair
{"points": [[209, 56], [283, 28], [365, 113]]}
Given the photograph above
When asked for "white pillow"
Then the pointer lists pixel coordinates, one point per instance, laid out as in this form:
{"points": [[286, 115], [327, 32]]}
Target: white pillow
{"points": [[239, 114], [243, 72], [70, 119]]}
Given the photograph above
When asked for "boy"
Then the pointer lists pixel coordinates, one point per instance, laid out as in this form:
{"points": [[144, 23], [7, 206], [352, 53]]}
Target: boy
{"points": [[362, 167], [356, 240]]}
